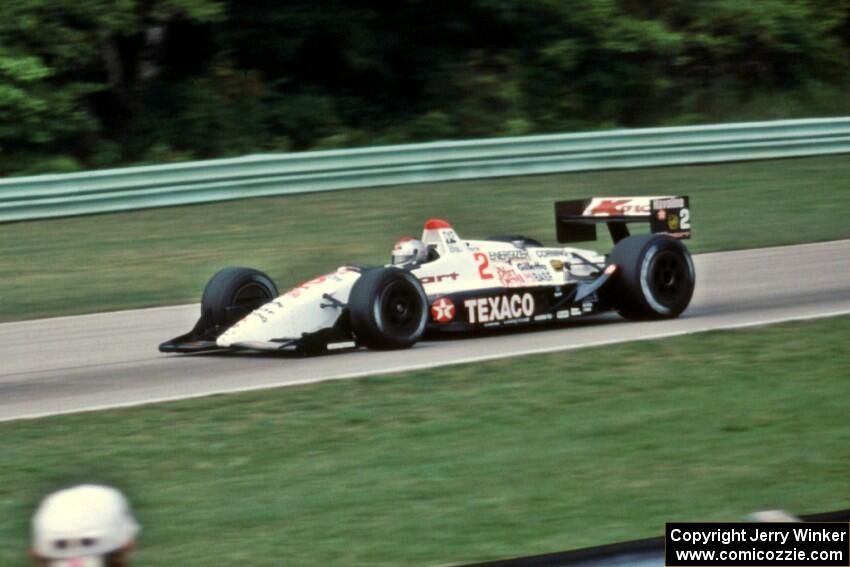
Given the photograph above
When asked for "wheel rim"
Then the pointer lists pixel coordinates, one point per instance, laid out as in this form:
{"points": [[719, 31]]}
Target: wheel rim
{"points": [[669, 278], [248, 297], [401, 308]]}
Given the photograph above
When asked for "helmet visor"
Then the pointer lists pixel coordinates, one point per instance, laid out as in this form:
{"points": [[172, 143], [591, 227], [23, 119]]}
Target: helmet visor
{"points": [[403, 258]]}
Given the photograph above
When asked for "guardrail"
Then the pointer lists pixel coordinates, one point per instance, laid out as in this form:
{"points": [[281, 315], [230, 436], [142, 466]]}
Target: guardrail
{"points": [[47, 196]]}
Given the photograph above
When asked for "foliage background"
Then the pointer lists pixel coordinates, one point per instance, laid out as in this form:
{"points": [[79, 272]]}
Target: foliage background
{"points": [[108, 82]]}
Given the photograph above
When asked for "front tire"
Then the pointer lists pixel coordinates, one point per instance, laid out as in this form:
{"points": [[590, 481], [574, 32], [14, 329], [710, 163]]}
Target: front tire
{"points": [[388, 309], [655, 277], [232, 293]]}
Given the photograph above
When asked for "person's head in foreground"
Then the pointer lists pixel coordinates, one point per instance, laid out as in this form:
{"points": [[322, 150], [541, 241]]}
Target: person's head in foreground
{"points": [[83, 526]]}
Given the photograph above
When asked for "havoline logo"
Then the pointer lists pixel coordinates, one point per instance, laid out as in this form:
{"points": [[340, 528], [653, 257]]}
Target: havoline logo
{"points": [[499, 308]]}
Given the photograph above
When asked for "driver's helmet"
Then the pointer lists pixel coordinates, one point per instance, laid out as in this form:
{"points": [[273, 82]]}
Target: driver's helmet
{"points": [[409, 249]]}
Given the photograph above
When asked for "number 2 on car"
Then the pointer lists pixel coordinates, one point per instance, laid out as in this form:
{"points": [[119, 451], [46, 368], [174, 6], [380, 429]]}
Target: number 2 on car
{"points": [[483, 265]]}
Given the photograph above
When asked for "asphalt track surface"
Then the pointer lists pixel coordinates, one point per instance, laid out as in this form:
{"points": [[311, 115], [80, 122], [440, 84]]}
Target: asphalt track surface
{"points": [[105, 360]]}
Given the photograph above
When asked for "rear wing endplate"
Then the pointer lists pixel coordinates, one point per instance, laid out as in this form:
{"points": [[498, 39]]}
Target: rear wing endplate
{"points": [[576, 220]]}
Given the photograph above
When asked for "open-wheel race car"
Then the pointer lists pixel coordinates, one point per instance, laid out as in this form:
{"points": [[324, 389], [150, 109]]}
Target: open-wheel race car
{"points": [[442, 283]]}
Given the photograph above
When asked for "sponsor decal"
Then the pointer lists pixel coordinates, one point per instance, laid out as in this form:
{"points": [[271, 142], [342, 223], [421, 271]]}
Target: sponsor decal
{"points": [[439, 278], [587, 307], [499, 308], [443, 310], [548, 253], [671, 215], [263, 313], [539, 274], [267, 309], [575, 311], [618, 207], [508, 255], [675, 203], [509, 277], [565, 314], [306, 285], [535, 272], [673, 222], [449, 236], [545, 317], [333, 276]]}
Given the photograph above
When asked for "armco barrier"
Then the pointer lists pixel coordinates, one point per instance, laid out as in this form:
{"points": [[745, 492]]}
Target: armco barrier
{"points": [[46, 196]]}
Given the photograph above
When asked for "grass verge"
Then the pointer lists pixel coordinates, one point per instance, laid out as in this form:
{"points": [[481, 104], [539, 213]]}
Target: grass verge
{"points": [[166, 256], [470, 462]]}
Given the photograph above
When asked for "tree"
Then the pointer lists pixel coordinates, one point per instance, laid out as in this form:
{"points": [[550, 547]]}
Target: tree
{"points": [[63, 61]]}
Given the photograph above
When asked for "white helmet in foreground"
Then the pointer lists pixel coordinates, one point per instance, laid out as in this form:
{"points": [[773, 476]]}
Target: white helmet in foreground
{"points": [[82, 525], [409, 249]]}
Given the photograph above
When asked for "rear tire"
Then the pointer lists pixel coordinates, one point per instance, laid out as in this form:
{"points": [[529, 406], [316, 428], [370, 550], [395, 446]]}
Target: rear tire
{"points": [[523, 241], [655, 277], [233, 293], [388, 309]]}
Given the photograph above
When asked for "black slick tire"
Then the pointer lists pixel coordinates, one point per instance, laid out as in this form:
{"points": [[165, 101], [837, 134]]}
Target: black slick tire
{"points": [[232, 293], [655, 277], [388, 309]]}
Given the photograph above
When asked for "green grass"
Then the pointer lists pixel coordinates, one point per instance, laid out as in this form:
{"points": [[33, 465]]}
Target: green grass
{"points": [[470, 462], [165, 256]]}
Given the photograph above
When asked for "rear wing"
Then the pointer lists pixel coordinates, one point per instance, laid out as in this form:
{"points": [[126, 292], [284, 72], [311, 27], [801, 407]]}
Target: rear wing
{"points": [[576, 220]]}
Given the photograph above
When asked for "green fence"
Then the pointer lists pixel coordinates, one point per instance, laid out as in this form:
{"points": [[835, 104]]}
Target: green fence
{"points": [[46, 196]]}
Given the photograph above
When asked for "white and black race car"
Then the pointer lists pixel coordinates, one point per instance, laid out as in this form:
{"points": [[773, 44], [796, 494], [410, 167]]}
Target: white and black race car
{"points": [[443, 283]]}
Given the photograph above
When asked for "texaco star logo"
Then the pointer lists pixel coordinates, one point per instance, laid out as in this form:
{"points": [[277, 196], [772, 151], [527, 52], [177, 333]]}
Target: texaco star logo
{"points": [[443, 310]]}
